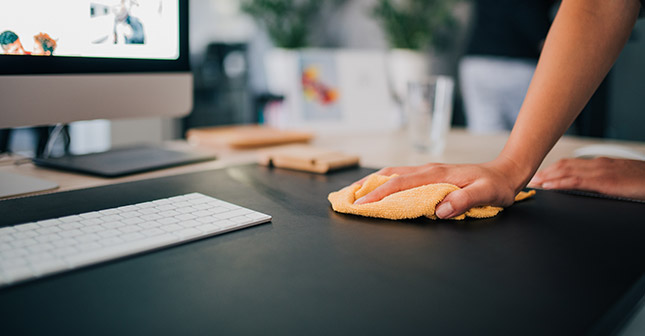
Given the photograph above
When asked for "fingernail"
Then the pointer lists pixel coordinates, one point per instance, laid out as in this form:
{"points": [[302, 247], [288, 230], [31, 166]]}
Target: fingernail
{"points": [[359, 201], [548, 185], [444, 210]]}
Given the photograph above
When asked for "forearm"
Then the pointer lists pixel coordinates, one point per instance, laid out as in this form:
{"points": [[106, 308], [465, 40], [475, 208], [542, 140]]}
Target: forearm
{"points": [[585, 40]]}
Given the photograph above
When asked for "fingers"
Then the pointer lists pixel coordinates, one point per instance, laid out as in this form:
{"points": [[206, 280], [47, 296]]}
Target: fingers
{"points": [[566, 183], [537, 180], [390, 187], [562, 169], [477, 194], [574, 174], [389, 171], [456, 203], [385, 172]]}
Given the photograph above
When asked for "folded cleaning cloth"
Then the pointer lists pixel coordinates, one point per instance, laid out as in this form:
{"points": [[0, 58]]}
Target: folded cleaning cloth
{"points": [[406, 204]]}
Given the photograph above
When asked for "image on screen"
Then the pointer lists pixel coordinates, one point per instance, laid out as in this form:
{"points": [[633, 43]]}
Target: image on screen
{"points": [[136, 29]]}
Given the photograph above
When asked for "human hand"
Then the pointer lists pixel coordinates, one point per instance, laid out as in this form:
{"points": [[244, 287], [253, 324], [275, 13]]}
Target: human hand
{"points": [[613, 177], [495, 183]]}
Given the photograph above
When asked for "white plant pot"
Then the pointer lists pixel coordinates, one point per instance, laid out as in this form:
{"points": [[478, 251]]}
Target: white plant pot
{"points": [[405, 66], [281, 71]]}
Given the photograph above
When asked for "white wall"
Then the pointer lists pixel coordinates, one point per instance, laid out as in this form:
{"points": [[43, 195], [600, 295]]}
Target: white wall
{"points": [[349, 26]]}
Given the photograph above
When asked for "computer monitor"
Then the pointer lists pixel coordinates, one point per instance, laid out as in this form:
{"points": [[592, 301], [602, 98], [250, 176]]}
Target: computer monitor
{"points": [[93, 59], [108, 59]]}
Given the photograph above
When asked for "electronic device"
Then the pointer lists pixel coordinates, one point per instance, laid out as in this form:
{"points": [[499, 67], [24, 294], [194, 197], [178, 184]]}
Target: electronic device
{"points": [[33, 250], [609, 150], [100, 59], [123, 161]]}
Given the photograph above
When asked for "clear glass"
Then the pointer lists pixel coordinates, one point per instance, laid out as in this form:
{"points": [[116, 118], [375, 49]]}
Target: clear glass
{"points": [[429, 109]]}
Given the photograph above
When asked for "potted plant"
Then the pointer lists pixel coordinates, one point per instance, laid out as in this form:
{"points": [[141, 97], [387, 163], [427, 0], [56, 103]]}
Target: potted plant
{"points": [[288, 24], [415, 29]]}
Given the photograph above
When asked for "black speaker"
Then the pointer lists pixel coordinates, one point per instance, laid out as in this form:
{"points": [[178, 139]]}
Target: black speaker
{"points": [[221, 92]]}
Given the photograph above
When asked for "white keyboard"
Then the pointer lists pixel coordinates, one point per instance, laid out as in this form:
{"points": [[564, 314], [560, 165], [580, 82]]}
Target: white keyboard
{"points": [[42, 248]]}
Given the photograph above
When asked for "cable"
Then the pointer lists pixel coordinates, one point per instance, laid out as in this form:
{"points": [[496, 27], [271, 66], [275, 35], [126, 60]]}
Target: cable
{"points": [[53, 136]]}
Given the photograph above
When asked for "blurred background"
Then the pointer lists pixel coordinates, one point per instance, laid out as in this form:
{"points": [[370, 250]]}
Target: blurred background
{"points": [[327, 64]]}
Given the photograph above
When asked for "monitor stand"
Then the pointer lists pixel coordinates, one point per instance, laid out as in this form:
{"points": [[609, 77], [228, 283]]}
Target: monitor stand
{"points": [[124, 161], [16, 185]]}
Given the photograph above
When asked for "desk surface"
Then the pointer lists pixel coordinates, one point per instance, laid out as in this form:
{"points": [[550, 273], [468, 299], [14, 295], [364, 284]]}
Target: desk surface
{"points": [[376, 150], [315, 266], [554, 265]]}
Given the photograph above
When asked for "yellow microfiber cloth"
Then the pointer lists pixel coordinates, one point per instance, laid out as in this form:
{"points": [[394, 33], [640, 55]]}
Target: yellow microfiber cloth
{"points": [[406, 204]]}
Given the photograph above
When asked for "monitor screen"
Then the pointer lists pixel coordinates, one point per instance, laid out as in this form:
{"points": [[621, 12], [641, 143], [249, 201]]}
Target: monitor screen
{"points": [[137, 29], [64, 61]]}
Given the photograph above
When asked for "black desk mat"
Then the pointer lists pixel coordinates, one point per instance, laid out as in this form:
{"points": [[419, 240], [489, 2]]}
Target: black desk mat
{"points": [[554, 265]]}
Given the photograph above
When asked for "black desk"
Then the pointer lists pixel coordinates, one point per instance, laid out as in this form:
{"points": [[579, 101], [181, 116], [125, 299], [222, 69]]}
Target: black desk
{"points": [[554, 265]]}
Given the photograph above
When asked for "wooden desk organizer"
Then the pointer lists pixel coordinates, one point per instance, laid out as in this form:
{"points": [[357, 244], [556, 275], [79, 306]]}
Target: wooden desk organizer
{"points": [[307, 158]]}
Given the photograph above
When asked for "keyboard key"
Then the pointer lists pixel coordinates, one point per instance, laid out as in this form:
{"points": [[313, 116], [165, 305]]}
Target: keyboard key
{"points": [[132, 236], [92, 228], [226, 224], [89, 215], [40, 248], [202, 213], [171, 228], [64, 251], [15, 262], [208, 228], [48, 229], [24, 242], [113, 225], [133, 221], [109, 233], [189, 223], [148, 211], [167, 221], [129, 229], [207, 220], [6, 239], [87, 238], [149, 225], [27, 227], [187, 233], [69, 219], [186, 217], [109, 212], [88, 246], [201, 206], [64, 242], [152, 232], [49, 222], [240, 220], [46, 238], [166, 207], [112, 217], [7, 230], [40, 257], [70, 225], [131, 214], [169, 213], [15, 274], [151, 217]]}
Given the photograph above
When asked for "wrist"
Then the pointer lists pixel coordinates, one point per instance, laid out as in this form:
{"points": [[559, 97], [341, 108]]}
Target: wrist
{"points": [[516, 173]]}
